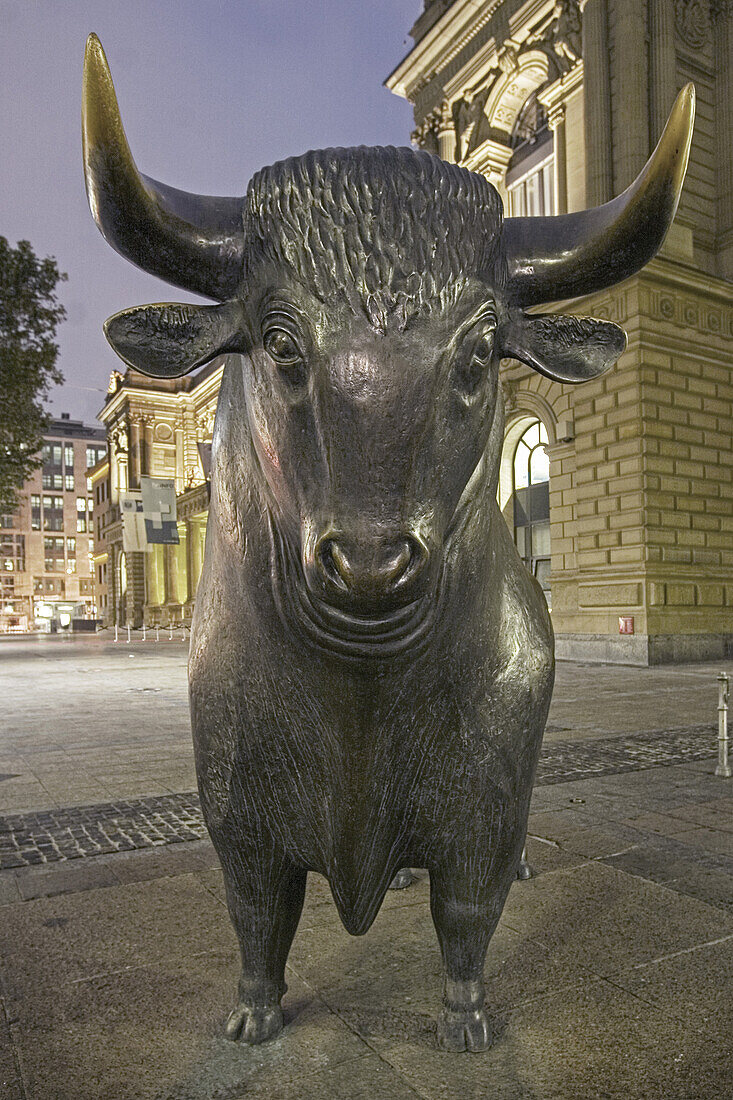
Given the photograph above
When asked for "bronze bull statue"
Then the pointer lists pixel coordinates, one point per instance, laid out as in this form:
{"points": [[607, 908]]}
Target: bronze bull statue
{"points": [[371, 664]]}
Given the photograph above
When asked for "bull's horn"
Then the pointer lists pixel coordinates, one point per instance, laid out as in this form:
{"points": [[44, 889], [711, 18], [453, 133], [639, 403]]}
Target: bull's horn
{"points": [[573, 254], [192, 241]]}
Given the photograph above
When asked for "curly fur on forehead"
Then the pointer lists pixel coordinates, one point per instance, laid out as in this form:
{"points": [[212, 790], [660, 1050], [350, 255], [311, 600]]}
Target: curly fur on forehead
{"points": [[396, 228]]}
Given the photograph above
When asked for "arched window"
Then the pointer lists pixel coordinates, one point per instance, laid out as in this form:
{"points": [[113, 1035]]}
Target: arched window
{"points": [[531, 500], [530, 172]]}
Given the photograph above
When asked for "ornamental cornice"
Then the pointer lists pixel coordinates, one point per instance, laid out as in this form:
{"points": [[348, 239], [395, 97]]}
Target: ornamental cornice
{"points": [[444, 41]]}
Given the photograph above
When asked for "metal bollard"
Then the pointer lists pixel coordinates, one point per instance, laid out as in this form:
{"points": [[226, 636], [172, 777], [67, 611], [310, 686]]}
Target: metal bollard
{"points": [[157, 633], [128, 633], [144, 632], [116, 630], [170, 632], [723, 768]]}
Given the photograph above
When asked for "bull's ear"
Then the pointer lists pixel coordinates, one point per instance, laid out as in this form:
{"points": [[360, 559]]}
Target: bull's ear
{"points": [[166, 341], [567, 349]]}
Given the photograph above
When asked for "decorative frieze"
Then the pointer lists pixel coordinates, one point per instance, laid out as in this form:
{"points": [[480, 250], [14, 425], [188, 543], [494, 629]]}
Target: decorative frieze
{"points": [[613, 307], [685, 311]]}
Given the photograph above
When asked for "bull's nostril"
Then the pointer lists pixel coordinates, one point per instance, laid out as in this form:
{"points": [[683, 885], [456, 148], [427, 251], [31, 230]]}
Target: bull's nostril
{"points": [[334, 563], [340, 562], [370, 571], [398, 563], [414, 558]]}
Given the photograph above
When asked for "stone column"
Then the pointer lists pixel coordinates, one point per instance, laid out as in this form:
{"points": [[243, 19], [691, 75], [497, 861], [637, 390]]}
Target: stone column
{"points": [[134, 453], [180, 458], [190, 578], [167, 577], [196, 554], [446, 132], [112, 592], [631, 102], [556, 120], [663, 62], [146, 466], [722, 16], [597, 104], [136, 589], [114, 483]]}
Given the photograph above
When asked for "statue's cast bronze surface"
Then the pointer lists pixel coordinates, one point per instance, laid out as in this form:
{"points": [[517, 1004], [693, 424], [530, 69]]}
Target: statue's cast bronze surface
{"points": [[371, 664]]}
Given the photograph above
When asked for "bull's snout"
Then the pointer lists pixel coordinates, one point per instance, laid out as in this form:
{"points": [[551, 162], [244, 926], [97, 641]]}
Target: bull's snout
{"points": [[375, 573]]}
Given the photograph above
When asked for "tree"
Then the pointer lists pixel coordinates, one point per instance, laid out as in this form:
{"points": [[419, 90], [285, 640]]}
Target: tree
{"points": [[29, 315]]}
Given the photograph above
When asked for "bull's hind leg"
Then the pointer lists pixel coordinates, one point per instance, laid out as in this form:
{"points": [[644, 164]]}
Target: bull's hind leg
{"points": [[466, 910], [265, 900]]}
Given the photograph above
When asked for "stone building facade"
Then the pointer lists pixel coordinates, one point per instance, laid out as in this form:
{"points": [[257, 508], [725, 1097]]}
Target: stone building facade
{"points": [[160, 428], [46, 545], [560, 104]]}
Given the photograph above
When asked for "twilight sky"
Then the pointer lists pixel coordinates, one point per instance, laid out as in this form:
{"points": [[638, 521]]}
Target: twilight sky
{"points": [[209, 91]]}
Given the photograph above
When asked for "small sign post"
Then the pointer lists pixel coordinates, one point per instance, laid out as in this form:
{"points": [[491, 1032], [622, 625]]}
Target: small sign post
{"points": [[723, 768]]}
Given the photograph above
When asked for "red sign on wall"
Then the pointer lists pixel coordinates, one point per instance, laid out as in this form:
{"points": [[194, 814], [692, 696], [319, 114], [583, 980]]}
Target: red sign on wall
{"points": [[626, 624]]}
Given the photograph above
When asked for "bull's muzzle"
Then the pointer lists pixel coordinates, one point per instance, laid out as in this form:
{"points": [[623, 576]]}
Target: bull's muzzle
{"points": [[369, 574]]}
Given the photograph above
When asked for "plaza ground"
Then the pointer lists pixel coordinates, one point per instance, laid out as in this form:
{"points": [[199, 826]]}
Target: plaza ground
{"points": [[609, 975]]}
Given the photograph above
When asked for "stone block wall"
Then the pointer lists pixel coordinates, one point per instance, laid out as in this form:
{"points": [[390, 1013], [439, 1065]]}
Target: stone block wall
{"points": [[641, 499]]}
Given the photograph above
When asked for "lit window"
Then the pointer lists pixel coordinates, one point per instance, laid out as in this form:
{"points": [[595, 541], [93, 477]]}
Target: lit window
{"points": [[532, 503], [69, 456], [530, 173], [81, 525], [81, 505], [69, 483], [533, 194]]}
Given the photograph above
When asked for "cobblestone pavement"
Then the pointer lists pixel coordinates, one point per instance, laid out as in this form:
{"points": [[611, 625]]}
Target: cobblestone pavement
{"points": [[50, 836]]}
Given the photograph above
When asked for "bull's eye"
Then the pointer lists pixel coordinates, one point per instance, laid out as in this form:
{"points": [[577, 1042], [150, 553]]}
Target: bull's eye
{"points": [[283, 350], [474, 361]]}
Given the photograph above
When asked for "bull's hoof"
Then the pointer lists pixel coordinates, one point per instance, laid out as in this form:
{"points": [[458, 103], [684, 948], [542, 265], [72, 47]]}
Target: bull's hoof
{"points": [[524, 871], [254, 1024], [402, 879], [459, 1029]]}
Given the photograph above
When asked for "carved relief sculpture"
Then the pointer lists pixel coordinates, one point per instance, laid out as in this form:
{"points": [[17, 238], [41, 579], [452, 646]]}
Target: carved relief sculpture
{"points": [[567, 31], [371, 664], [691, 18]]}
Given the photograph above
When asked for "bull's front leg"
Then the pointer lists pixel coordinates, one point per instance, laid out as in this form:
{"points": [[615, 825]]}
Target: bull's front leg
{"points": [[265, 894], [466, 908]]}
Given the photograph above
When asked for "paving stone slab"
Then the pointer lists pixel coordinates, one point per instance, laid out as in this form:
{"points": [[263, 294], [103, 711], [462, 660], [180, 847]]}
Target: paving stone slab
{"points": [[47, 881], [595, 1042], [712, 887], [156, 1033], [693, 987], [678, 867], [10, 1083], [606, 920], [52, 941]]}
